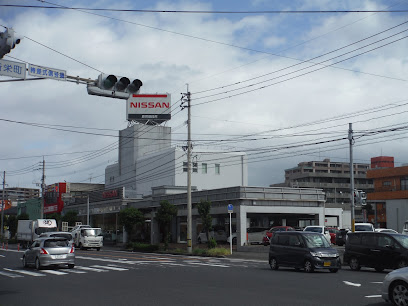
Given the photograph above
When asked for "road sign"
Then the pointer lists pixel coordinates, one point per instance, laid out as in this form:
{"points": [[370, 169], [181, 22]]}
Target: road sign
{"points": [[13, 69], [46, 72], [230, 208]]}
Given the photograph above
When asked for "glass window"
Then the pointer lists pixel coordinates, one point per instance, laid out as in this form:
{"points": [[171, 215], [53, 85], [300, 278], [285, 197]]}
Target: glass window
{"points": [[316, 241], [383, 241], [204, 168], [403, 239], [283, 240], [195, 167], [354, 239], [185, 166], [404, 183], [217, 169], [369, 240], [294, 240]]}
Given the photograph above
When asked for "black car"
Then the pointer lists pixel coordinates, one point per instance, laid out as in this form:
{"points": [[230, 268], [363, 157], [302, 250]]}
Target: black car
{"points": [[376, 250], [341, 237], [307, 250]]}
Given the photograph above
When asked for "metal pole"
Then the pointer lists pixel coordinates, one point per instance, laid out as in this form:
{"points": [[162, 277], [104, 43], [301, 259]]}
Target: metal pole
{"points": [[3, 204], [43, 190], [87, 209], [350, 138], [230, 231], [189, 204]]}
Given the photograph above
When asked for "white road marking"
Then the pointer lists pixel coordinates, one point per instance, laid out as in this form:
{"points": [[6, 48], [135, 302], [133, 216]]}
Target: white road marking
{"points": [[25, 272], [110, 268], [75, 271], [373, 296], [211, 265], [10, 275], [55, 272], [351, 284], [91, 269]]}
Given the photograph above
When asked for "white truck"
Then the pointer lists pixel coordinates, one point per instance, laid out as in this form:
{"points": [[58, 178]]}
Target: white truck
{"points": [[29, 230], [88, 237]]}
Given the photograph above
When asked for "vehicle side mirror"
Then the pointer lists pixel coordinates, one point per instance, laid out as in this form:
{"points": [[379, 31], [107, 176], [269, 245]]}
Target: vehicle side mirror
{"points": [[392, 247], [298, 244]]}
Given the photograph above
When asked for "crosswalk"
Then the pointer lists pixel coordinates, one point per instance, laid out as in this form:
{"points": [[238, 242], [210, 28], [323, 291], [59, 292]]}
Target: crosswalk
{"points": [[112, 264]]}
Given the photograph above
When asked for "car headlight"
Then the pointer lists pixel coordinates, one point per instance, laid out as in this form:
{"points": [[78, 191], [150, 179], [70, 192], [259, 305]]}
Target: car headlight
{"points": [[316, 254]]}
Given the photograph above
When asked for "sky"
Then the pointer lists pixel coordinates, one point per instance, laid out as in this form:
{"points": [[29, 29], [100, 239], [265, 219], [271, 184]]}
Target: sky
{"points": [[279, 80]]}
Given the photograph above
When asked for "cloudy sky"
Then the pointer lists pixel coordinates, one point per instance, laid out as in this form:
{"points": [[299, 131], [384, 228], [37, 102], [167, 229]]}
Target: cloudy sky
{"points": [[281, 86]]}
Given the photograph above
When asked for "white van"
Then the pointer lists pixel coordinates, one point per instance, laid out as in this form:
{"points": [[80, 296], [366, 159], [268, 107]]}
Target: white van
{"points": [[405, 228], [364, 227]]}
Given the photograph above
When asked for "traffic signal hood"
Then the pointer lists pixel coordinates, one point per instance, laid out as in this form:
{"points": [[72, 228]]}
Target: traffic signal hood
{"points": [[8, 41], [117, 83]]}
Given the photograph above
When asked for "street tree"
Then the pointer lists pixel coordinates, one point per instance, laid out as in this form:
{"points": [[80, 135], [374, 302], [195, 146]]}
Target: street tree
{"points": [[71, 217], [129, 218], [164, 217], [204, 208]]}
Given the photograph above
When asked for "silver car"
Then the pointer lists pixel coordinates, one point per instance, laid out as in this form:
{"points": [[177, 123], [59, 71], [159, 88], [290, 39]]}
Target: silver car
{"points": [[395, 287], [49, 251], [67, 235]]}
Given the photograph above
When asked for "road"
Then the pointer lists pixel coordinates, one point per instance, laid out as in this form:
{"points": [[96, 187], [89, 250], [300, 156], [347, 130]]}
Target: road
{"points": [[122, 278]]}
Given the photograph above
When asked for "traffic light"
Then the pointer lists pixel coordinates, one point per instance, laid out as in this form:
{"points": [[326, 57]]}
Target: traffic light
{"points": [[363, 198], [109, 85], [8, 41]]}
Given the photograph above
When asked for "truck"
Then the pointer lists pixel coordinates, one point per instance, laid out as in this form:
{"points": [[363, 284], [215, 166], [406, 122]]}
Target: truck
{"points": [[29, 230], [88, 237]]}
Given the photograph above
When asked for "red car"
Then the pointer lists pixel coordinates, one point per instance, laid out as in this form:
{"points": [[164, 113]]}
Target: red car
{"points": [[269, 234], [333, 232]]}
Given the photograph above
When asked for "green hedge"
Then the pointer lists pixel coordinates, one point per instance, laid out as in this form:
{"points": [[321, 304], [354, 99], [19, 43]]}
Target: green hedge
{"points": [[143, 247]]}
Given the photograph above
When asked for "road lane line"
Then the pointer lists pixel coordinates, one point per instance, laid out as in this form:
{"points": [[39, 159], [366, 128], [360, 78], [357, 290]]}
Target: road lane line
{"points": [[25, 272], [55, 272], [10, 275], [110, 268], [351, 284], [211, 265], [91, 269]]}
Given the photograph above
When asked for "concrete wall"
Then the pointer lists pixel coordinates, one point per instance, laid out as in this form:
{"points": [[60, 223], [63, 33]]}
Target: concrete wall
{"points": [[397, 214]]}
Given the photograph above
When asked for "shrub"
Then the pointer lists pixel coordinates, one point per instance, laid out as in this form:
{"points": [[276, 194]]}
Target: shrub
{"points": [[143, 247], [218, 252], [212, 243], [199, 252]]}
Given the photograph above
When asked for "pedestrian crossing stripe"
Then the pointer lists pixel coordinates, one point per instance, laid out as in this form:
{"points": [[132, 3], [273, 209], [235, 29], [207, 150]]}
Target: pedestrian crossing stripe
{"points": [[10, 274], [110, 268], [31, 273]]}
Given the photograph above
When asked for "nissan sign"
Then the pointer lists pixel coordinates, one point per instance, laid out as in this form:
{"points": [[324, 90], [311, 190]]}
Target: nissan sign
{"points": [[146, 107]]}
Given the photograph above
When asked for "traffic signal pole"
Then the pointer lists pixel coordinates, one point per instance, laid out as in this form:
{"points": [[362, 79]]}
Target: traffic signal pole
{"points": [[3, 204], [189, 204], [351, 140]]}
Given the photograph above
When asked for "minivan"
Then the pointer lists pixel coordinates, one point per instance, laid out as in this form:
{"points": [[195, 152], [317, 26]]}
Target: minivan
{"points": [[376, 250], [303, 250]]}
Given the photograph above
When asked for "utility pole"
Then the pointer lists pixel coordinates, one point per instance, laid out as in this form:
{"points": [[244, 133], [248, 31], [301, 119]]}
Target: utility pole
{"points": [[351, 141], [187, 98], [3, 204], [189, 204], [43, 189]]}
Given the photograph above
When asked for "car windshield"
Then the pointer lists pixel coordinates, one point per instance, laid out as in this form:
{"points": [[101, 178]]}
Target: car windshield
{"points": [[363, 228], [316, 241], [91, 232], [314, 229], [402, 239]]}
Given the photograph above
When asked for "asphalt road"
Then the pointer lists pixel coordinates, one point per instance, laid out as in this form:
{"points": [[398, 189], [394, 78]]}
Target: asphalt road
{"points": [[115, 278]]}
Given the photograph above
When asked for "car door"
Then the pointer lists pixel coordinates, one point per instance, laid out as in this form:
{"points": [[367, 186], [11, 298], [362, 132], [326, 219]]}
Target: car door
{"points": [[32, 251], [295, 251], [282, 244], [370, 251], [389, 251]]}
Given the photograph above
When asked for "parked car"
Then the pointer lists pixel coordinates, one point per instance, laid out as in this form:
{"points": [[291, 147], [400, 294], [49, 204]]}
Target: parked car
{"points": [[66, 235], [341, 236], [49, 251], [256, 234], [364, 227], [376, 250], [385, 230], [333, 233], [307, 250], [319, 229], [269, 234], [395, 287], [219, 235]]}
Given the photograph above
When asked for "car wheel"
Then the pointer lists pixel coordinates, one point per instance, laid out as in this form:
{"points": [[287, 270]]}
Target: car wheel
{"points": [[25, 265], [308, 266], [71, 266], [37, 264], [333, 270], [402, 263], [273, 264], [354, 264], [234, 240], [399, 293]]}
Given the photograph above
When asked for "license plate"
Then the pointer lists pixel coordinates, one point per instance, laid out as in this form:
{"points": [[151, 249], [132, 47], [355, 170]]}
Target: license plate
{"points": [[59, 256], [327, 264]]}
